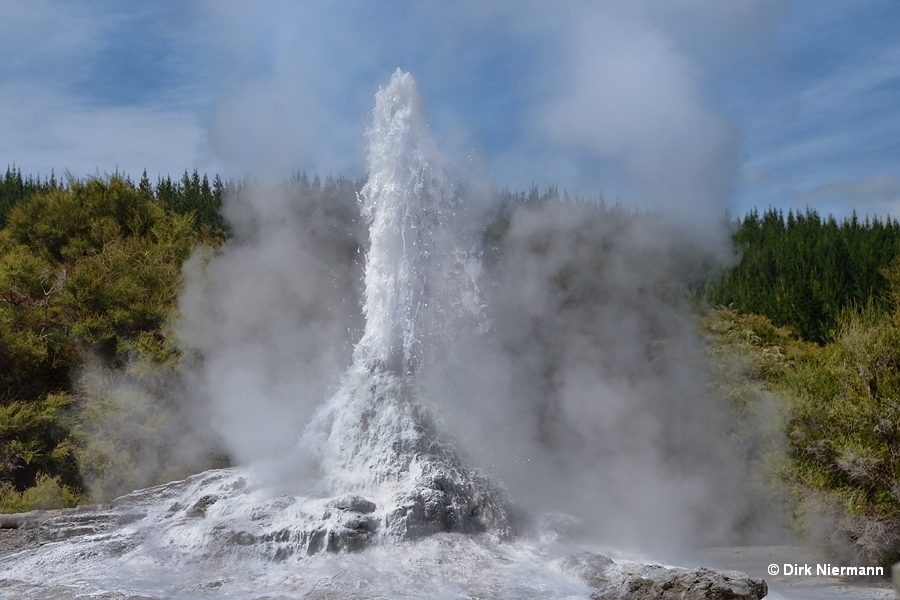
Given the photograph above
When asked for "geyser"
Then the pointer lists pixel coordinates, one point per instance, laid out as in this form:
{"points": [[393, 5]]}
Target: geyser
{"points": [[372, 470], [375, 436]]}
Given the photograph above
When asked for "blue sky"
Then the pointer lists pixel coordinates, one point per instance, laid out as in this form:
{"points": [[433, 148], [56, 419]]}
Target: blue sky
{"points": [[696, 106]]}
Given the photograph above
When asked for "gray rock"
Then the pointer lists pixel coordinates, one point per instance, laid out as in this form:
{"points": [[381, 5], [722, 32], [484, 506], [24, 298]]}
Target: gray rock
{"points": [[199, 507], [589, 567], [353, 503], [654, 582], [72, 523]]}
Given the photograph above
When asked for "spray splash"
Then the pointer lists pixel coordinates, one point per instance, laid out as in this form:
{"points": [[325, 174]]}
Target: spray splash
{"points": [[418, 278]]}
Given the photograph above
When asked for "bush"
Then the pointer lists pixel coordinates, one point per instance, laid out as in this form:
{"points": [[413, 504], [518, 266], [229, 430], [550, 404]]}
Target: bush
{"points": [[749, 357], [824, 421], [46, 494], [35, 438], [844, 436], [91, 269]]}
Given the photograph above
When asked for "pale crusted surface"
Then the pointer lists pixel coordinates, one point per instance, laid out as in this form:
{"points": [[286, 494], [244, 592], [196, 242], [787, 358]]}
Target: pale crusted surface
{"points": [[752, 559], [13, 540], [19, 531]]}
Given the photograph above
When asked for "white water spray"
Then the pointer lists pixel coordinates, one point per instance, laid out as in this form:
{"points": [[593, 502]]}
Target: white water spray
{"points": [[418, 278], [375, 436], [403, 201]]}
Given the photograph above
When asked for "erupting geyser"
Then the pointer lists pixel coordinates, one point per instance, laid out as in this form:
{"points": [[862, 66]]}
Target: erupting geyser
{"points": [[404, 201], [371, 470], [374, 437]]}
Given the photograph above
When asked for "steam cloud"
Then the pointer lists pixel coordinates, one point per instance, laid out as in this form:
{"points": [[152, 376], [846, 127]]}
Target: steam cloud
{"points": [[589, 395], [590, 95], [583, 387], [271, 319]]}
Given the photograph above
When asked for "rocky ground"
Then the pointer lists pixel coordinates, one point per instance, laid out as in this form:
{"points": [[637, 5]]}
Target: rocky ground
{"points": [[21, 532], [475, 575]]}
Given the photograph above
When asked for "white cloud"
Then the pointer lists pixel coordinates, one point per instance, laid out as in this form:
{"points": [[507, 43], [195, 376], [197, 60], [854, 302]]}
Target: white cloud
{"points": [[838, 120], [52, 116], [45, 39], [44, 129], [833, 120]]}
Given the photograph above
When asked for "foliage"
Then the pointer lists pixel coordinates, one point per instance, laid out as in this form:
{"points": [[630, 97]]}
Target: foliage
{"points": [[135, 428], [751, 347], [192, 195], [749, 356], [47, 493], [14, 188], [804, 271], [91, 266], [844, 433], [34, 438], [90, 390], [838, 408]]}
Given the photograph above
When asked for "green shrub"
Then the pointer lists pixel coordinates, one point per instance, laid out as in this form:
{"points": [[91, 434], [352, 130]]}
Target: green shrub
{"points": [[46, 494], [844, 435], [34, 439], [91, 269], [749, 356], [822, 420]]}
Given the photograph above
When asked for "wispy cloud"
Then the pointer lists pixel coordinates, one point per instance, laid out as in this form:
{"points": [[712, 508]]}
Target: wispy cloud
{"points": [[832, 117], [44, 129], [844, 117], [879, 195], [49, 41], [77, 92]]}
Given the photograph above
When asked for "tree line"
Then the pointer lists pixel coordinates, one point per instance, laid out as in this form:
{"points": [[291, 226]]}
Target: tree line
{"points": [[804, 271], [190, 194], [813, 305]]}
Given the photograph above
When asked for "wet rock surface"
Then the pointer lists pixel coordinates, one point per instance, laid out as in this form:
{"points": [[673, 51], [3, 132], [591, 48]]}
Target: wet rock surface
{"points": [[17, 534], [219, 515], [353, 503], [654, 582]]}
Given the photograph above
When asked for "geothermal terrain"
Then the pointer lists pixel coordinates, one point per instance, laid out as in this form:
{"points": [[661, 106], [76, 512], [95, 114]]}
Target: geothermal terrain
{"points": [[415, 478]]}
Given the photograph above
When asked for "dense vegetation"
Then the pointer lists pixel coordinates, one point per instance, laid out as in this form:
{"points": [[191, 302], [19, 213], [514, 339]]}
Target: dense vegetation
{"points": [[92, 398], [843, 432], [15, 188], [86, 268], [804, 271], [814, 309]]}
